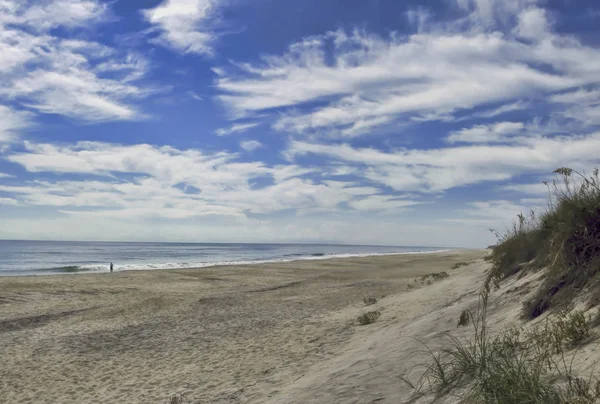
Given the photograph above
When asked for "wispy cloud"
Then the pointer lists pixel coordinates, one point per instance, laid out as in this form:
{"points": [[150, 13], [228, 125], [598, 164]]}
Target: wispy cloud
{"points": [[77, 78], [251, 145], [8, 201], [43, 16], [195, 96], [185, 25], [502, 109], [363, 81], [11, 123], [435, 170], [236, 128], [162, 177], [380, 203], [499, 132]]}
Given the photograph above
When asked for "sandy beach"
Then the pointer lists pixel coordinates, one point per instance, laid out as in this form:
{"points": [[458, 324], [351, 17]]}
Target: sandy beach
{"points": [[273, 333]]}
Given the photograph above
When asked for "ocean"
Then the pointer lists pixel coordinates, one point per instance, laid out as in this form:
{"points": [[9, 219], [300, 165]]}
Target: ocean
{"points": [[60, 257]]}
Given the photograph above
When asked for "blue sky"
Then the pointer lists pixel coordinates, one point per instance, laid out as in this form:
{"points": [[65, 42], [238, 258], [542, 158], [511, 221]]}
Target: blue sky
{"points": [[355, 121]]}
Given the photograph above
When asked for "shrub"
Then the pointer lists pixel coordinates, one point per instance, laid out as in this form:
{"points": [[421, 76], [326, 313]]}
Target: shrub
{"points": [[369, 300], [368, 318], [565, 239]]}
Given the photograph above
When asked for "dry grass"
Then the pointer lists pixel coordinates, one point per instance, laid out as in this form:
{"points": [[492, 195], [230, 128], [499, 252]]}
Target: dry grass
{"points": [[464, 319], [176, 399], [531, 367], [510, 367], [565, 240], [460, 264], [432, 277], [368, 318]]}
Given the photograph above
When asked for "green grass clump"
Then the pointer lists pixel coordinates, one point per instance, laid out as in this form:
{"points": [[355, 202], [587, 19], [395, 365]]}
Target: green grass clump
{"points": [[566, 331], [460, 264], [565, 240], [370, 300], [510, 367], [368, 318], [575, 328], [434, 276], [464, 319], [176, 399]]}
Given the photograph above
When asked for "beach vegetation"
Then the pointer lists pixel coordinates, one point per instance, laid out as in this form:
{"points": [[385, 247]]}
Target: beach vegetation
{"points": [[370, 300], [434, 276], [460, 264], [176, 399], [368, 318], [564, 241], [464, 319], [513, 366]]}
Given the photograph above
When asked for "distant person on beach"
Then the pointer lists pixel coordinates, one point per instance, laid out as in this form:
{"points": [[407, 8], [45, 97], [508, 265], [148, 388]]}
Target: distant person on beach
{"points": [[111, 267]]}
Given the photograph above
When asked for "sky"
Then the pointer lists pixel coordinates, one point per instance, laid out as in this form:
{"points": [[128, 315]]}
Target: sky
{"points": [[317, 121]]}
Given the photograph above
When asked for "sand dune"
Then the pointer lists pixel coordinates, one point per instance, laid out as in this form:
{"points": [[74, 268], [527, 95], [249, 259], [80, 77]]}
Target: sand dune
{"points": [[277, 333]]}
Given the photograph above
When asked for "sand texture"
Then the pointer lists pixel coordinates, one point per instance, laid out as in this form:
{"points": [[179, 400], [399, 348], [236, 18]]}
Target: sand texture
{"points": [[273, 333]]}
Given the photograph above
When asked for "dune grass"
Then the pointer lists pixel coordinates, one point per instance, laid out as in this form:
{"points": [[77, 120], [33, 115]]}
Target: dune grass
{"points": [[511, 367], [175, 399], [368, 318], [533, 366], [432, 277], [564, 240], [460, 264]]}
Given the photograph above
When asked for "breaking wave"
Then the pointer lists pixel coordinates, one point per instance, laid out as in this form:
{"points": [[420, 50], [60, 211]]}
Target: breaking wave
{"points": [[91, 268]]}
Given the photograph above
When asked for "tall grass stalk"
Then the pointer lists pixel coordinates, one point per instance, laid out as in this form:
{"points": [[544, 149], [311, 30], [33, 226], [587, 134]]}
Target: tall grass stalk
{"points": [[510, 367]]}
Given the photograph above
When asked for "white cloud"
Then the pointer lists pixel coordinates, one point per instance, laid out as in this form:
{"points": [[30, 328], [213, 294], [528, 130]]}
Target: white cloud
{"points": [[530, 189], [382, 203], [534, 203], [11, 122], [236, 128], [492, 13], [195, 96], [533, 24], [44, 16], [251, 145], [495, 214], [69, 76], [500, 132], [350, 84], [184, 24], [8, 201], [355, 229], [149, 181], [582, 106], [503, 109], [586, 97], [437, 170]]}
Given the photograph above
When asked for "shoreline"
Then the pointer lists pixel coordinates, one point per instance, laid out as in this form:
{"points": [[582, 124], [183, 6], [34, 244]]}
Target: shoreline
{"points": [[52, 272]]}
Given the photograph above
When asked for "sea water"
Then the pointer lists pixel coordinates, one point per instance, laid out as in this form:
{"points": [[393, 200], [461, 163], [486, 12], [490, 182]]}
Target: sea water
{"points": [[56, 257]]}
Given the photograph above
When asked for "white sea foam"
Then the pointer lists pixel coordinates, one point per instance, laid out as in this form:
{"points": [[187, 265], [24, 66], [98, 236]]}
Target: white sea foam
{"points": [[189, 265]]}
